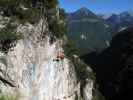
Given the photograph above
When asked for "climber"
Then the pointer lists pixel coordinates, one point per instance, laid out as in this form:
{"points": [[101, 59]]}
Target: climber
{"points": [[60, 56]]}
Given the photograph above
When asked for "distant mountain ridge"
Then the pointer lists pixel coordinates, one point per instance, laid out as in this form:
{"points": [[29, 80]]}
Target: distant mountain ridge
{"points": [[81, 13], [91, 32], [87, 30], [119, 22]]}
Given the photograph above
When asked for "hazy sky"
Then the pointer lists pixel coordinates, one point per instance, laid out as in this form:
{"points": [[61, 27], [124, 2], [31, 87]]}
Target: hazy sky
{"points": [[98, 6]]}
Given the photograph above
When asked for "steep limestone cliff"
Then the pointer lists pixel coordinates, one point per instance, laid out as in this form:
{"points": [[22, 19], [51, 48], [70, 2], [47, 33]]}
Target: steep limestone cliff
{"points": [[30, 71]]}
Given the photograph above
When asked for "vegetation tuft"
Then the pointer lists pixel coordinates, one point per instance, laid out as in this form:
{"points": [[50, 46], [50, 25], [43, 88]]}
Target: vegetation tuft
{"points": [[7, 97], [8, 36]]}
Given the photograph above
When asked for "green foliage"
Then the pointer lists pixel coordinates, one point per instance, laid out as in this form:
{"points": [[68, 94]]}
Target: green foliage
{"points": [[34, 10], [8, 36], [8, 3], [15, 8], [70, 49], [9, 6], [62, 14], [58, 29], [55, 17], [50, 3], [8, 33], [56, 22], [7, 97], [31, 15]]}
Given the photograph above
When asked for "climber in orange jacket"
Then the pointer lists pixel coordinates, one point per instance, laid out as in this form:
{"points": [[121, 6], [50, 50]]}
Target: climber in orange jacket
{"points": [[60, 56]]}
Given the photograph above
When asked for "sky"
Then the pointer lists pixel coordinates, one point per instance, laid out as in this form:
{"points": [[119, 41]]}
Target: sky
{"points": [[98, 6]]}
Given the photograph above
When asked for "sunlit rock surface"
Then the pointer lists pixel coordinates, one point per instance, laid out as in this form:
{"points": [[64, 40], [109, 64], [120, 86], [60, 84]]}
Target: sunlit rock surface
{"points": [[29, 68], [88, 90]]}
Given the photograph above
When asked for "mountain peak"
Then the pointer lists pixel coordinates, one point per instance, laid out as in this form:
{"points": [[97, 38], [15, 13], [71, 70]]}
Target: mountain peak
{"points": [[127, 13], [84, 13], [84, 9]]}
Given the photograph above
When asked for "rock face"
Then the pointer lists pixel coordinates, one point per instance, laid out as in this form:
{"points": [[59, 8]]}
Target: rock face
{"points": [[29, 68], [88, 91]]}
